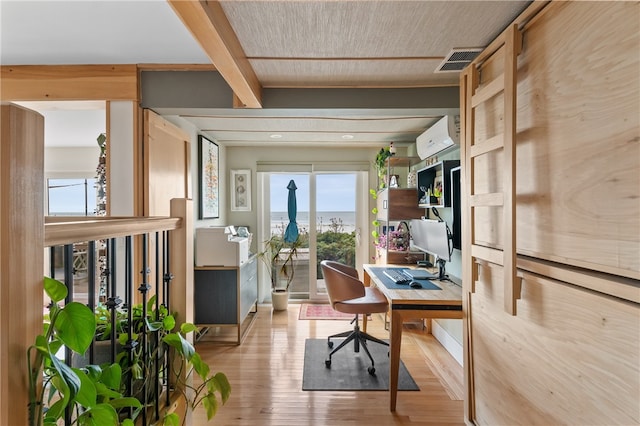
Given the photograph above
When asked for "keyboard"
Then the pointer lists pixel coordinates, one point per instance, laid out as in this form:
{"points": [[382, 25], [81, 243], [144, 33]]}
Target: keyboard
{"points": [[396, 276]]}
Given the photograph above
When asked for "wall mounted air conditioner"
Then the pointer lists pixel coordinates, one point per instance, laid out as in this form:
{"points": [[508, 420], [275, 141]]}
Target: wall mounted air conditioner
{"points": [[443, 134]]}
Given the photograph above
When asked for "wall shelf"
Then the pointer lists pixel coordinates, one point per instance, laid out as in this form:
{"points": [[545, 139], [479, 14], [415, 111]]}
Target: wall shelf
{"points": [[428, 179], [396, 205]]}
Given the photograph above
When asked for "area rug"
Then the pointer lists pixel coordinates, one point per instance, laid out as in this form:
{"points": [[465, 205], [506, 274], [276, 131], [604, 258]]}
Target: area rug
{"points": [[310, 311], [348, 370]]}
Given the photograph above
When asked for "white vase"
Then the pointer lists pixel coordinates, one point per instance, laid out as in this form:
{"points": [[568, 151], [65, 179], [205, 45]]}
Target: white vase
{"points": [[280, 300]]}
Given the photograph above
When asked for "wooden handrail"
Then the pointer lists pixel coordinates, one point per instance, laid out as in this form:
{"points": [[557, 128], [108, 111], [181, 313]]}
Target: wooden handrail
{"points": [[67, 230]]}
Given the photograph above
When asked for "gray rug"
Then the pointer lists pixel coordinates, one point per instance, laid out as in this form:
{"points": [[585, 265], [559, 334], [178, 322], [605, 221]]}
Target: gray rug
{"points": [[348, 370]]}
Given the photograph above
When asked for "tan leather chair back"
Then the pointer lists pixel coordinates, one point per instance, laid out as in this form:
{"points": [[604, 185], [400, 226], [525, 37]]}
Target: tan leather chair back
{"points": [[342, 282]]}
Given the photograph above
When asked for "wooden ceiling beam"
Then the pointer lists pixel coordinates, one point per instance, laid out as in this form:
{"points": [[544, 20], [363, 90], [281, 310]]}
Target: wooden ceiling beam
{"points": [[208, 23]]}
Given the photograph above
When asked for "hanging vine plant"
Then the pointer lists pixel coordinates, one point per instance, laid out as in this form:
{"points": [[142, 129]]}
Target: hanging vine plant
{"points": [[381, 165]]}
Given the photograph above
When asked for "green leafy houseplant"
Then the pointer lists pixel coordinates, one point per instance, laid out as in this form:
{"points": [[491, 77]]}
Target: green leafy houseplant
{"points": [[279, 257], [195, 395], [381, 165], [376, 223], [158, 320], [92, 393], [186, 360]]}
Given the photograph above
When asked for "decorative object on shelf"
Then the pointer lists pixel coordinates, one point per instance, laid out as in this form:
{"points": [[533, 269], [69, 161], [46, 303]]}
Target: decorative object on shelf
{"points": [[412, 179], [241, 190], [437, 189], [101, 210], [208, 176], [381, 165], [434, 184], [400, 238], [101, 177], [393, 181], [397, 240]]}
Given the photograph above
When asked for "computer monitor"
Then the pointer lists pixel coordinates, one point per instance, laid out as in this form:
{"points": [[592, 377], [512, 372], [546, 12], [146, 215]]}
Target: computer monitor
{"points": [[432, 236]]}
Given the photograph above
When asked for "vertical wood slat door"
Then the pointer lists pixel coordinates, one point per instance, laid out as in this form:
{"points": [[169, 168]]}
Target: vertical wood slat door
{"points": [[478, 92], [167, 154], [166, 160]]}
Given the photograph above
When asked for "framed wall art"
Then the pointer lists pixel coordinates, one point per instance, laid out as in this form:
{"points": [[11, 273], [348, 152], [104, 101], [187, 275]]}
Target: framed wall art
{"points": [[241, 190], [208, 178]]}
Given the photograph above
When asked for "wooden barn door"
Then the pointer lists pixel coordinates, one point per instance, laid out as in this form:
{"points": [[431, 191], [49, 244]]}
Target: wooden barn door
{"points": [[166, 175]]}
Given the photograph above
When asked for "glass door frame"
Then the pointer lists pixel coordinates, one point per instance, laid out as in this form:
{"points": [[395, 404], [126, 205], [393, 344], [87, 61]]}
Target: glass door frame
{"points": [[264, 226]]}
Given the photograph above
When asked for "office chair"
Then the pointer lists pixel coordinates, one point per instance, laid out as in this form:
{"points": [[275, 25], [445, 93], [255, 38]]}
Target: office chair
{"points": [[349, 295]]}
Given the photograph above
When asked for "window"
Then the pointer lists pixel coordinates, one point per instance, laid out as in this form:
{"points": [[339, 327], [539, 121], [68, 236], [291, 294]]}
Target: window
{"points": [[327, 215], [71, 197]]}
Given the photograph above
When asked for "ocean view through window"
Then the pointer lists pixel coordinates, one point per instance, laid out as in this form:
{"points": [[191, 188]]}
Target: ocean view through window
{"points": [[71, 197], [326, 215]]}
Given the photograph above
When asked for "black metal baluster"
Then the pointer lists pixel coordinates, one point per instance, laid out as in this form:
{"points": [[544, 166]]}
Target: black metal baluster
{"points": [[52, 262], [91, 284], [113, 301], [156, 340], [128, 284], [167, 277], [144, 289]]}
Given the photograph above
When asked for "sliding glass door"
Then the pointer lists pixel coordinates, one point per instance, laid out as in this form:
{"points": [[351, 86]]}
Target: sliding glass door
{"points": [[335, 224], [327, 217]]}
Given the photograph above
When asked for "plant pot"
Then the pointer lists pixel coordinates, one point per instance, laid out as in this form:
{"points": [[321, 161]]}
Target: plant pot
{"points": [[101, 354], [280, 300]]}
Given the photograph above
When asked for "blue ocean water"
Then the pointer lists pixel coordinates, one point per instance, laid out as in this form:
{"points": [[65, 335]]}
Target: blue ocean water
{"points": [[323, 220]]}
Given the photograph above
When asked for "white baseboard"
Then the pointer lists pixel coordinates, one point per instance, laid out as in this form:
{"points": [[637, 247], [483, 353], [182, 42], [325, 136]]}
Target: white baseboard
{"points": [[450, 344]]}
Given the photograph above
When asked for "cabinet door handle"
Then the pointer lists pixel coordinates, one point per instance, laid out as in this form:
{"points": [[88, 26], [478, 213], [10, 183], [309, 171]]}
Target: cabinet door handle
{"points": [[384, 204]]}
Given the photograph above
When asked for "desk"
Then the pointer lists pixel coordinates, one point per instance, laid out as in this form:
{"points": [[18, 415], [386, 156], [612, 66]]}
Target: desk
{"points": [[411, 304]]}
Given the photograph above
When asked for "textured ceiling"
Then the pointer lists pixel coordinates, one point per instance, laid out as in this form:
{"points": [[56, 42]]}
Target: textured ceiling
{"points": [[288, 44], [367, 43]]}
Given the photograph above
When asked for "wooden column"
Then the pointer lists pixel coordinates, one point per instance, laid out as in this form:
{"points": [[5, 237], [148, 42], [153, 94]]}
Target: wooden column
{"points": [[21, 253], [181, 261]]}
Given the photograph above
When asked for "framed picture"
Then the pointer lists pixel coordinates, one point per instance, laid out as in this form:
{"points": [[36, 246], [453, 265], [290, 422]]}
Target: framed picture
{"points": [[241, 190], [208, 178]]}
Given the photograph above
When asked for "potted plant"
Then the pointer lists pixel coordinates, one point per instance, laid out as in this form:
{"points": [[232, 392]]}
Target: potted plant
{"points": [[279, 257], [190, 361], [381, 165], [75, 326], [92, 393], [186, 359]]}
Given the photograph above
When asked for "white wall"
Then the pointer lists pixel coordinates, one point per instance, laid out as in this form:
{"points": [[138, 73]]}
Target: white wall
{"points": [[73, 162], [120, 157]]}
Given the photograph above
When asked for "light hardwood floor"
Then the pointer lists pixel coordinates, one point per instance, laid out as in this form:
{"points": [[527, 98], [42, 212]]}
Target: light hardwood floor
{"points": [[266, 378]]}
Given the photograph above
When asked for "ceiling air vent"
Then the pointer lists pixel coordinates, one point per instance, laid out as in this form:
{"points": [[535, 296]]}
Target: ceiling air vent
{"points": [[457, 59]]}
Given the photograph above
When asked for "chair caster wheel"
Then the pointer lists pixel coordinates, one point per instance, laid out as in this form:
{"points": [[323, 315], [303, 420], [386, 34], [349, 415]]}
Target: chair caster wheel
{"points": [[330, 344], [327, 363], [372, 371]]}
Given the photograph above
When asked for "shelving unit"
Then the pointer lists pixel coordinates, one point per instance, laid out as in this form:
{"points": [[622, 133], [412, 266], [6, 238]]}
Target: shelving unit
{"points": [[427, 181], [226, 296], [396, 205]]}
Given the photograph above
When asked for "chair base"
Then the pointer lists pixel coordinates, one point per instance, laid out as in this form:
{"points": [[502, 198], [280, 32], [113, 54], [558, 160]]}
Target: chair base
{"points": [[359, 338]]}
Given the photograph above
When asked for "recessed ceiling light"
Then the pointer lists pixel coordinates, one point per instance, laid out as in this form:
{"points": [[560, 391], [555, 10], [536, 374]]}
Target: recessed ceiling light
{"points": [[275, 136], [347, 136]]}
